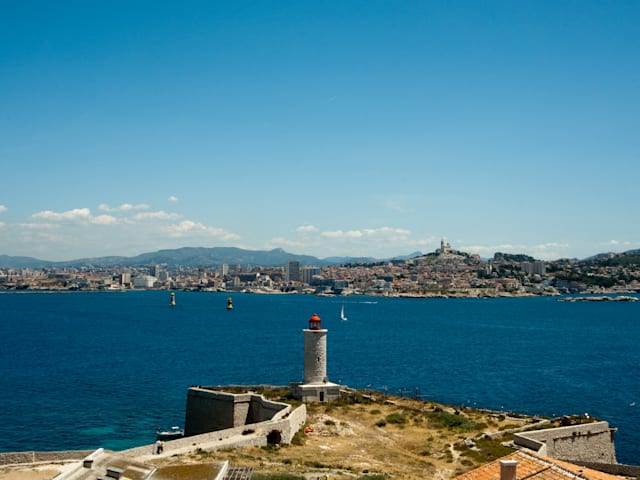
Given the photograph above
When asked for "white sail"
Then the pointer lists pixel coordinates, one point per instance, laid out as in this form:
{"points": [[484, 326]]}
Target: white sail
{"points": [[342, 316]]}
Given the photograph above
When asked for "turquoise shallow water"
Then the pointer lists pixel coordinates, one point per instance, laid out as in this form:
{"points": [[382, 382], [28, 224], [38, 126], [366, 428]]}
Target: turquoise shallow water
{"points": [[84, 370]]}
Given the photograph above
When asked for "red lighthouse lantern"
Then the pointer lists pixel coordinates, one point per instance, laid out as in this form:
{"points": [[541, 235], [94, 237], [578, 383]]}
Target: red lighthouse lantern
{"points": [[315, 322]]}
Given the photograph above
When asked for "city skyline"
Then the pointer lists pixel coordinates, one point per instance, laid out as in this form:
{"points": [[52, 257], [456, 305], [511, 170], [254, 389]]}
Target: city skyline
{"points": [[361, 128]]}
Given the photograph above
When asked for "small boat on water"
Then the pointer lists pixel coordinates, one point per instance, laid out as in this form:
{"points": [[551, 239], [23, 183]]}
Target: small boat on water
{"points": [[172, 301], [229, 304], [343, 317], [173, 434]]}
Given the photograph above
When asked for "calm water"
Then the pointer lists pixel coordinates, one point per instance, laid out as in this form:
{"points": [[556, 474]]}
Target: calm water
{"points": [[85, 370]]}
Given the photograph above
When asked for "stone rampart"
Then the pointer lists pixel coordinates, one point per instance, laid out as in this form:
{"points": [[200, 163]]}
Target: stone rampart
{"points": [[280, 429], [614, 469], [14, 458], [212, 410], [502, 433], [589, 442]]}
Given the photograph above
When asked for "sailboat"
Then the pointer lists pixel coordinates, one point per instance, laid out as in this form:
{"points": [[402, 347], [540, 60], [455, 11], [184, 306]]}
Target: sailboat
{"points": [[342, 315]]}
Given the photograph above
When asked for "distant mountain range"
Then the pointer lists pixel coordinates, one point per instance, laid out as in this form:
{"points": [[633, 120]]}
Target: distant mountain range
{"points": [[193, 257], [216, 256]]}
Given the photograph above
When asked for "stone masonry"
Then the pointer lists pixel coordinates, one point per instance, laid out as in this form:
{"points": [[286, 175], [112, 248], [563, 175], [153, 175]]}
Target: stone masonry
{"points": [[589, 442]]}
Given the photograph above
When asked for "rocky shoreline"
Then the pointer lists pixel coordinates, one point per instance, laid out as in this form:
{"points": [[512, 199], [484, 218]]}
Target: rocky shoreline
{"points": [[600, 298]]}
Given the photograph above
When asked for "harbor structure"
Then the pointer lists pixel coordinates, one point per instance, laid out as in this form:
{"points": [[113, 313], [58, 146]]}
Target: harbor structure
{"points": [[315, 386]]}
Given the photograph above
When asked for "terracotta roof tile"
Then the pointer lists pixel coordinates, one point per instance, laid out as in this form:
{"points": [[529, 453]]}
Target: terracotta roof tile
{"points": [[536, 467]]}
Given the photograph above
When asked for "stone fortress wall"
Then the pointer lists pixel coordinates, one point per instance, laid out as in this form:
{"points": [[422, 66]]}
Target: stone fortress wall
{"points": [[209, 409], [14, 458], [589, 442], [247, 420]]}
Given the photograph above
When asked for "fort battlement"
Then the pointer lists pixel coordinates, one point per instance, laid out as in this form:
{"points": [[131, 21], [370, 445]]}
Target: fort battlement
{"points": [[217, 420], [209, 409], [589, 442]]}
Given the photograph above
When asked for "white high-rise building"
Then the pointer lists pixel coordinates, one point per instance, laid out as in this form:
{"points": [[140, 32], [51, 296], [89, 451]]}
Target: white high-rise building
{"points": [[308, 272], [292, 271]]}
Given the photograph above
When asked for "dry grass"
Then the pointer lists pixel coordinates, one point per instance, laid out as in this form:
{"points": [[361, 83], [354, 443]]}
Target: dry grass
{"points": [[387, 438], [30, 472]]}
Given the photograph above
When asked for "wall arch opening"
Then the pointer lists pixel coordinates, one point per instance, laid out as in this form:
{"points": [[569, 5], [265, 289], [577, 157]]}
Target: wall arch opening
{"points": [[274, 437]]}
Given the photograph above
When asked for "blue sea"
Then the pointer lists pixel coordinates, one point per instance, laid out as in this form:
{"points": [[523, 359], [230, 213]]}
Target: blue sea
{"points": [[89, 370]]}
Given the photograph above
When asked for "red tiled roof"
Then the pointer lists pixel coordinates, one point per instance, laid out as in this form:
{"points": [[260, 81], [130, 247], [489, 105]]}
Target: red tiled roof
{"points": [[536, 467]]}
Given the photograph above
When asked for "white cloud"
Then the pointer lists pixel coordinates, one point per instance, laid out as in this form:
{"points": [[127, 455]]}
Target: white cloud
{"points": [[125, 207], [50, 237], [79, 232], [38, 226], [2, 224], [3, 208], [342, 234], [387, 232], [188, 227], [279, 242], [103, 220], [543, 251], [68, 216], [379, 242], [382, 232], [621, 243], [172, 198], [306, 229], [159, 215]]}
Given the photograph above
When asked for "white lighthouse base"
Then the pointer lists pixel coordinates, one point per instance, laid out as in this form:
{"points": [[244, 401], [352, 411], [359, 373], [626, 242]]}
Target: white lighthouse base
{"points": [[315, 392]]}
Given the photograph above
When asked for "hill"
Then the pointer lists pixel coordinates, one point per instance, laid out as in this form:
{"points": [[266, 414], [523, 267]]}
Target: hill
{"points": [[217, 256], [188, 257], [375, 436]]}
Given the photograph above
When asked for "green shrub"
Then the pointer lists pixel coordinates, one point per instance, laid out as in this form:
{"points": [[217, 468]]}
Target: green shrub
{"points": [[299, 438], [487, 449], [453, 421], [397, 418]]}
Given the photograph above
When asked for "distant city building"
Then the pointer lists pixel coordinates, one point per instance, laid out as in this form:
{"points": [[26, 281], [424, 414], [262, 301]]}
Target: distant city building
{"points": [[292, 271], [144, 281], [155, 270], [224, 269], [125, 279], [163, 276], [537, 267], [308, 273]]}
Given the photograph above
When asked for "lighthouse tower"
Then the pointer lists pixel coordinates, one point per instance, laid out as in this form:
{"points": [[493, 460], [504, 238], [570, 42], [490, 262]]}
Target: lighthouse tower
{"points": [[315, 351], [315, 386]]}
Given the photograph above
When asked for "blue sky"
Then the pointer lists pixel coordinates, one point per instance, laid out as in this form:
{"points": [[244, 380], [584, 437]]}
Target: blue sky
{"points": [[362, 128]]}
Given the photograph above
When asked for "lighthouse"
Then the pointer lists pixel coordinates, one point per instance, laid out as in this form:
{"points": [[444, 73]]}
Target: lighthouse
{"points": [[315, 386], [315, 351]]}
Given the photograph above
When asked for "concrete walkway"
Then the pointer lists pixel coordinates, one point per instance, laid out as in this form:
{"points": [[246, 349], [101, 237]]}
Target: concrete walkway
{"points": [[208, 445]]}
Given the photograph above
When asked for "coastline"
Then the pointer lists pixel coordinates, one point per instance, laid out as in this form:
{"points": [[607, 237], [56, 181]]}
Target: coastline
{"points": [[600, 295], [341, 439]]}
